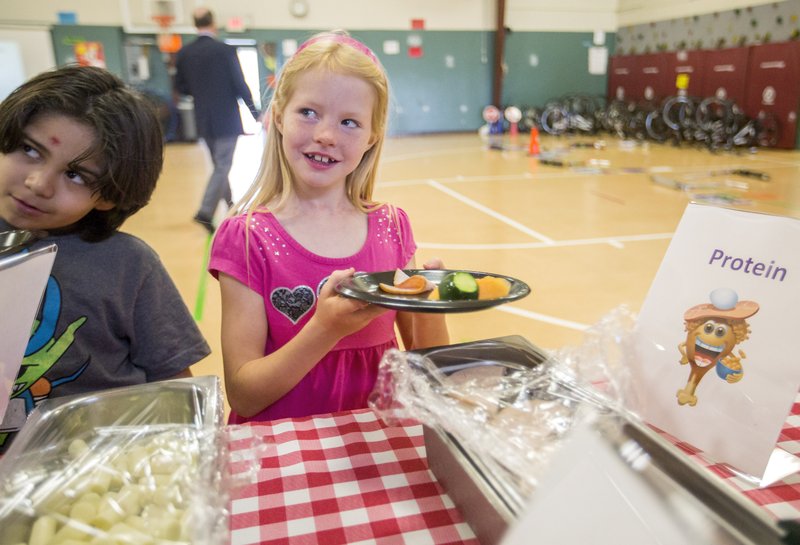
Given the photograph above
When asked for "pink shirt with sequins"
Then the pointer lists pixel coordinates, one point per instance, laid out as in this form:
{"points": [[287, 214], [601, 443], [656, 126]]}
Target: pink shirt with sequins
{"points": [[288, 277]]}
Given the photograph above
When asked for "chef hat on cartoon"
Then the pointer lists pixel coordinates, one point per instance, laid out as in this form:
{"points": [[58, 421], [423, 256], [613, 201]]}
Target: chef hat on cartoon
{"points": [[724, 304]]}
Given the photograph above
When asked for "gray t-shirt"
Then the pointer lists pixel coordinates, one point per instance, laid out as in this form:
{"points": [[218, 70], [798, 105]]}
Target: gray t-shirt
{"points": [[111, 316]]}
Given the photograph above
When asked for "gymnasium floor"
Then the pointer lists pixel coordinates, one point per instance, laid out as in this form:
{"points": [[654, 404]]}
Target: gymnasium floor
{"points": [[587, 237]]}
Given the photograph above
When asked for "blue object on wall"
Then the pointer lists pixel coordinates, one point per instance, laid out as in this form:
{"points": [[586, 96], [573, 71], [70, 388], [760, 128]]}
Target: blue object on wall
{"points": [[67, 18]]}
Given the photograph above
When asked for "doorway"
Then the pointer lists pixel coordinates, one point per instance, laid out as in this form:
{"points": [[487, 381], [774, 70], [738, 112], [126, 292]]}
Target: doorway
{"points": [[247, 53]]}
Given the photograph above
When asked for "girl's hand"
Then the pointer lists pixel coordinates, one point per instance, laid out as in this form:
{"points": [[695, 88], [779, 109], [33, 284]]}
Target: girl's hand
{"points": [[433, 263], [341, 315]]}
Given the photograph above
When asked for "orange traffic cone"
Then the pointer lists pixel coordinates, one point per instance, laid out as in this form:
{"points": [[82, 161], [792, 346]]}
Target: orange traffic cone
{"points": [[533, 146]]}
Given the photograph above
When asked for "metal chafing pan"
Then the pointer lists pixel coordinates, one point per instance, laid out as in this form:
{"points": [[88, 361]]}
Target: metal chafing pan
{"points": [[184, 402], [15, 240], [490, 504], [40, 464]]}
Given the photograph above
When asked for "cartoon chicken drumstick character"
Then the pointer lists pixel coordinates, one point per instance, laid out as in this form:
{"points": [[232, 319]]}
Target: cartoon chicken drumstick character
{"points": [[712, 331]]}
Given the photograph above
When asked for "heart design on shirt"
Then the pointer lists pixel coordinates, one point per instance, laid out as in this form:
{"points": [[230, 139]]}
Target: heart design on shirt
{"points": [[293, 304]]}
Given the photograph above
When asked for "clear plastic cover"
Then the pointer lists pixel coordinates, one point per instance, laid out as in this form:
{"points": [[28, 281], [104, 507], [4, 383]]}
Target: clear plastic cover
{"points": [[137, 465], [603, 360], [506, 401], [503, 410]]}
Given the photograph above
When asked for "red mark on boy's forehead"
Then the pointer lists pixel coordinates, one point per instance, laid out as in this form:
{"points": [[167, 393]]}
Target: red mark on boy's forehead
{"points": [[55, 141]]}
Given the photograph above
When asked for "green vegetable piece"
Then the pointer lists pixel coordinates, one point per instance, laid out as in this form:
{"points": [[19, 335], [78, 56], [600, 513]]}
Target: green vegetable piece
{"points": [[458, 286]]}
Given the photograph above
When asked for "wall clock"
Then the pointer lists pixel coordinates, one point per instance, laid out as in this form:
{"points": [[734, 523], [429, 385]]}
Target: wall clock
{"points": [[298, 8]]}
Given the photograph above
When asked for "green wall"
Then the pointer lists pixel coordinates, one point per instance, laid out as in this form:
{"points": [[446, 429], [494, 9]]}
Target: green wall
{"points": [[563, 67], [444, 90]]}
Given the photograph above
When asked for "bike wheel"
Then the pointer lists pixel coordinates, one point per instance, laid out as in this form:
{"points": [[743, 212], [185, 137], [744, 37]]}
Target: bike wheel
{"points": [[531, 117], [654, 125], [713, 112], [555, 119], [767, 130]]}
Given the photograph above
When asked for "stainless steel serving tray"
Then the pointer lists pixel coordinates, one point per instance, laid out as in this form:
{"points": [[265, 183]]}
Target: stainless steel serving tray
{"points": [[15, 240], [491, 506], [488, 504], [186, 402], [40, 464]]}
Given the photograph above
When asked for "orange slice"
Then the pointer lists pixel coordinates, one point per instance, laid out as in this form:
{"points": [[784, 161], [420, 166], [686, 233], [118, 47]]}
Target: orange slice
{"points": [[413, 285], [492, 287]]}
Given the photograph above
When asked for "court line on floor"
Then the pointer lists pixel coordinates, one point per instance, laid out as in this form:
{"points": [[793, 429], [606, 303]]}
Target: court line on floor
{"points": [[526, 176], [571, 174], [543, 318], [422, 154], [488, 211], [614, 241]]}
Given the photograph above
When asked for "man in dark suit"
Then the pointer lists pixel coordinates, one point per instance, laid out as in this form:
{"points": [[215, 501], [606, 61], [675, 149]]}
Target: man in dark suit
{"points": [[209, 71]]}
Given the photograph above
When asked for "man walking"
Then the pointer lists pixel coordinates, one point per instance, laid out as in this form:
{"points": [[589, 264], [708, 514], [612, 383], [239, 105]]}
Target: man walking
{"points": [[209, 71]]}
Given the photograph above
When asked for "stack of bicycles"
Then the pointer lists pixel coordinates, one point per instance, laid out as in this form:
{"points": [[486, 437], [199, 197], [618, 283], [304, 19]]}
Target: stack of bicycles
{"points": [[716, 123], [712, 122]]}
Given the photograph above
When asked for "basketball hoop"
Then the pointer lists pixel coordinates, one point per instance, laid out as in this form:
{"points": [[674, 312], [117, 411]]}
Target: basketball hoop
{"points": [[163, 21], [167, 41]]}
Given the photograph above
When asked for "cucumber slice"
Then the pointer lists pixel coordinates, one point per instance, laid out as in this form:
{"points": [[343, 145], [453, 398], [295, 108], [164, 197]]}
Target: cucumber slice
{"points": [[458, 286]]}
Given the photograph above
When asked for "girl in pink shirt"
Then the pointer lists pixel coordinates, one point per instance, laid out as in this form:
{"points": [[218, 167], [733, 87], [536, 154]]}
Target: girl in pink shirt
{"points": [[291, 346]]}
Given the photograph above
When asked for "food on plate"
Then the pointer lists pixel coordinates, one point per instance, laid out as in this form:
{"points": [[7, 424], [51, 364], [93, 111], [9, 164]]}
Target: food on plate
{"points": [[407, 285], [458, 286], [493, 287], [454, 286]]}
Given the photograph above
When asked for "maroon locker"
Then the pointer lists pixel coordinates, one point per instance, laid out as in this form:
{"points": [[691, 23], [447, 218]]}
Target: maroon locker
{"points": [[726, 74], [620, 77], [689, 65], [651, 80], [773, 85]]}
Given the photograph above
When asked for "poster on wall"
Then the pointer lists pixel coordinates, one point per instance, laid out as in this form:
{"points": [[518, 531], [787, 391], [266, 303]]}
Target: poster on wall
{"points": [[269, 54], [90, 54]]}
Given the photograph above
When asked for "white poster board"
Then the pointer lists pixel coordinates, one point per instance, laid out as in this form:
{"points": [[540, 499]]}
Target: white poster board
{"points": [[23, 278], [715, 361]]}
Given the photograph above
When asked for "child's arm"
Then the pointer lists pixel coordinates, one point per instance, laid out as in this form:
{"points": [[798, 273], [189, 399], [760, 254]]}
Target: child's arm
{"points": [[423, 330], [254, 381]]}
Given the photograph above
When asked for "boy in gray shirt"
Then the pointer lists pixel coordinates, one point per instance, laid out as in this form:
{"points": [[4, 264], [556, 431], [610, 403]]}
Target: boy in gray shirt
{"points": [[79, 154]]}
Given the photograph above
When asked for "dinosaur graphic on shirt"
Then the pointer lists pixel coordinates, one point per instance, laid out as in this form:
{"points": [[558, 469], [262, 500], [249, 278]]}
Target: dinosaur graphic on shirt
{"points": [[44, 350]]}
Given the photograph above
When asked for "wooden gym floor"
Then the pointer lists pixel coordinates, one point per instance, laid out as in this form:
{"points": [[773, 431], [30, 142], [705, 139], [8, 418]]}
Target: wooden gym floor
{"points": [[587, 236]]}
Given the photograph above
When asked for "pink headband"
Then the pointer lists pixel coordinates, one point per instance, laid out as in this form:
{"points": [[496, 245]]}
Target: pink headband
{"points": [[341, 39]]}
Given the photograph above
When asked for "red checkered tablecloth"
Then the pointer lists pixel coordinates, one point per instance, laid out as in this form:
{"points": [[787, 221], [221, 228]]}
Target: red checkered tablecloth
{"points": [[340, 478], [349, 478], [780, 499]]}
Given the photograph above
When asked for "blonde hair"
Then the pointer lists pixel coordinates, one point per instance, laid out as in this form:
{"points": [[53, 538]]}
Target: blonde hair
{"points": [[336, 52]]}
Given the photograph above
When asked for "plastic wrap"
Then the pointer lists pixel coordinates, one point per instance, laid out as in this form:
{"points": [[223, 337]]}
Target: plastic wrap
{"points": [[498, 417], [137, 465], [603, 360], [506, 401]]}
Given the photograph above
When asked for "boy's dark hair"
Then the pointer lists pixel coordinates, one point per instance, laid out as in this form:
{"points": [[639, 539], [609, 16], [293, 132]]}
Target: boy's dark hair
{"points": [[129, 145]]}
